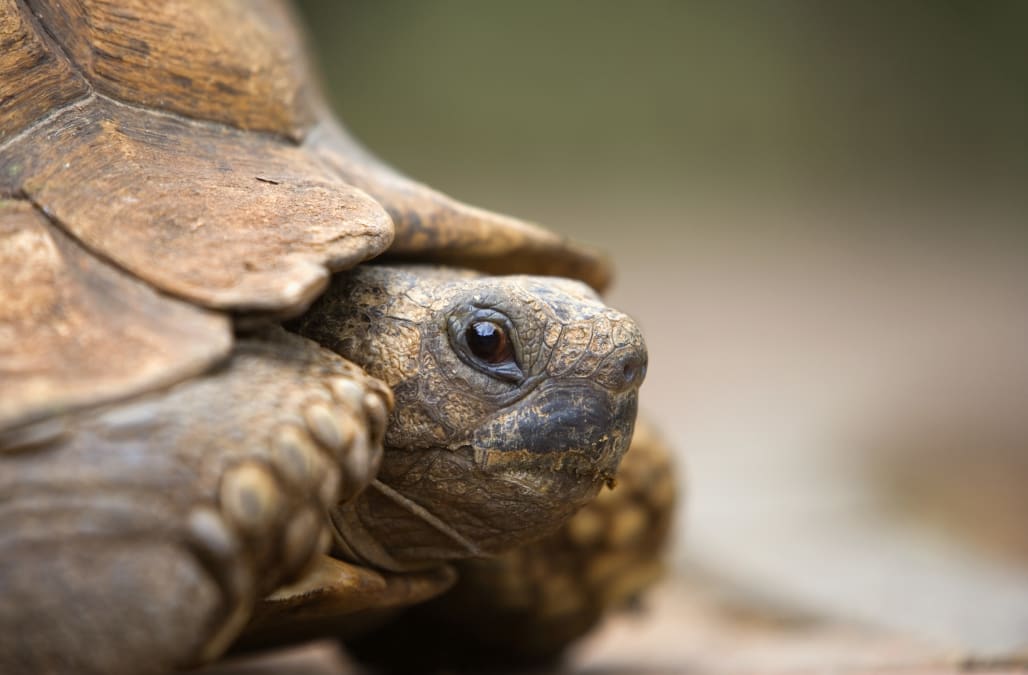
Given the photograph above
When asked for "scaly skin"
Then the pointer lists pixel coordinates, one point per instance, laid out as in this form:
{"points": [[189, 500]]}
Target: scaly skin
{"points": [[483, 451], [137, 537]]}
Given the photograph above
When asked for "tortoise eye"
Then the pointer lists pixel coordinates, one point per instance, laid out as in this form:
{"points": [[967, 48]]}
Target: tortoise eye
{"points": [[485, 339], [488, 341]]}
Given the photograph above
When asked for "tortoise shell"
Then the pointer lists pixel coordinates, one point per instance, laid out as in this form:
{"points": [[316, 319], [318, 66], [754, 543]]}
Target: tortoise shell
{"points": [[185, 145]]}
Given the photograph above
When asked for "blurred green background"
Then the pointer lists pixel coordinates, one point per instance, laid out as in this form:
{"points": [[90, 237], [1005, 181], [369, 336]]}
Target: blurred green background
{"points": [[512, 103], [819, 214]]}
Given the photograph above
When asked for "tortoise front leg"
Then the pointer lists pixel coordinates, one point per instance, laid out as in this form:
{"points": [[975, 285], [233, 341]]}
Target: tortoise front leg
{"points": [[139, 538]]}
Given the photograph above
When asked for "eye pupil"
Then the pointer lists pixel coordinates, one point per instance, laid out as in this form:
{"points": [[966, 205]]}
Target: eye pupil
{"points": [[488, 342]]}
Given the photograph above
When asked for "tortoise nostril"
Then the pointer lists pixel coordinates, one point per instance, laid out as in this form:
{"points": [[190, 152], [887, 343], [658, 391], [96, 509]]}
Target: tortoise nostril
{"points": [[632, 371]]}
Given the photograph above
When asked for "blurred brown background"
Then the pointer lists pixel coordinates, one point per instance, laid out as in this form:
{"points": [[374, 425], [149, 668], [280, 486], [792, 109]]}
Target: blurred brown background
{"points": [[819, 214]]}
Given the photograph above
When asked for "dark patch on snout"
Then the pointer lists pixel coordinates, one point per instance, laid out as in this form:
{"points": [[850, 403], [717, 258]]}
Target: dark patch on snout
{"points": [[559, 418]]}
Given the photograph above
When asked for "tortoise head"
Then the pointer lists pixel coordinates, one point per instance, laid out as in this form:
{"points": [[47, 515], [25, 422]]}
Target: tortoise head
{"points": [[515, 401]]}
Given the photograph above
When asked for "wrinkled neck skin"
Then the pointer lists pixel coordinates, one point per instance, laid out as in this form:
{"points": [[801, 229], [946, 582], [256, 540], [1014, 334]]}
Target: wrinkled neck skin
{"points": [[481, 455]]}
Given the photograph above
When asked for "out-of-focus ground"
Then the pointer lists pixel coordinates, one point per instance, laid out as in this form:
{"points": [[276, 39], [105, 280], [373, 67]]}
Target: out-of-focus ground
{"points": [[686, 628], [689, 626], [819, 215]]}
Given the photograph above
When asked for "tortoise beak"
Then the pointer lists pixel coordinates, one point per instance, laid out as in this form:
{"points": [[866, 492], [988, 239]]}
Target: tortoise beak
{"points": [[584, 428]]}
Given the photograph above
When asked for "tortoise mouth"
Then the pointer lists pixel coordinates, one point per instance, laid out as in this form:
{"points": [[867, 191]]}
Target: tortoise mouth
{"points": [[533, 467], [561, 443]]}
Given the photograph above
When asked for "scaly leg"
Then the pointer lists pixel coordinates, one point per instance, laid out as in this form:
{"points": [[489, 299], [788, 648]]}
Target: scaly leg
{"points": [[138, 538]]}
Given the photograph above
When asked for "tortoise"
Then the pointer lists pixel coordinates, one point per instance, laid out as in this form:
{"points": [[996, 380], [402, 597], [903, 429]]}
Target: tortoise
{"points": [[204, 389]]}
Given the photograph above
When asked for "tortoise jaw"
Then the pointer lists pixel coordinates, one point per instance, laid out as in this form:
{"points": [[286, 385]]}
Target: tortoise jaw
{"points": [[484, 499], [572, 434]]}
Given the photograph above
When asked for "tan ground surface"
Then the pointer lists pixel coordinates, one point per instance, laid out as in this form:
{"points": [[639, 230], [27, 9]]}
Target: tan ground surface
{"points": [[691, 628]]}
